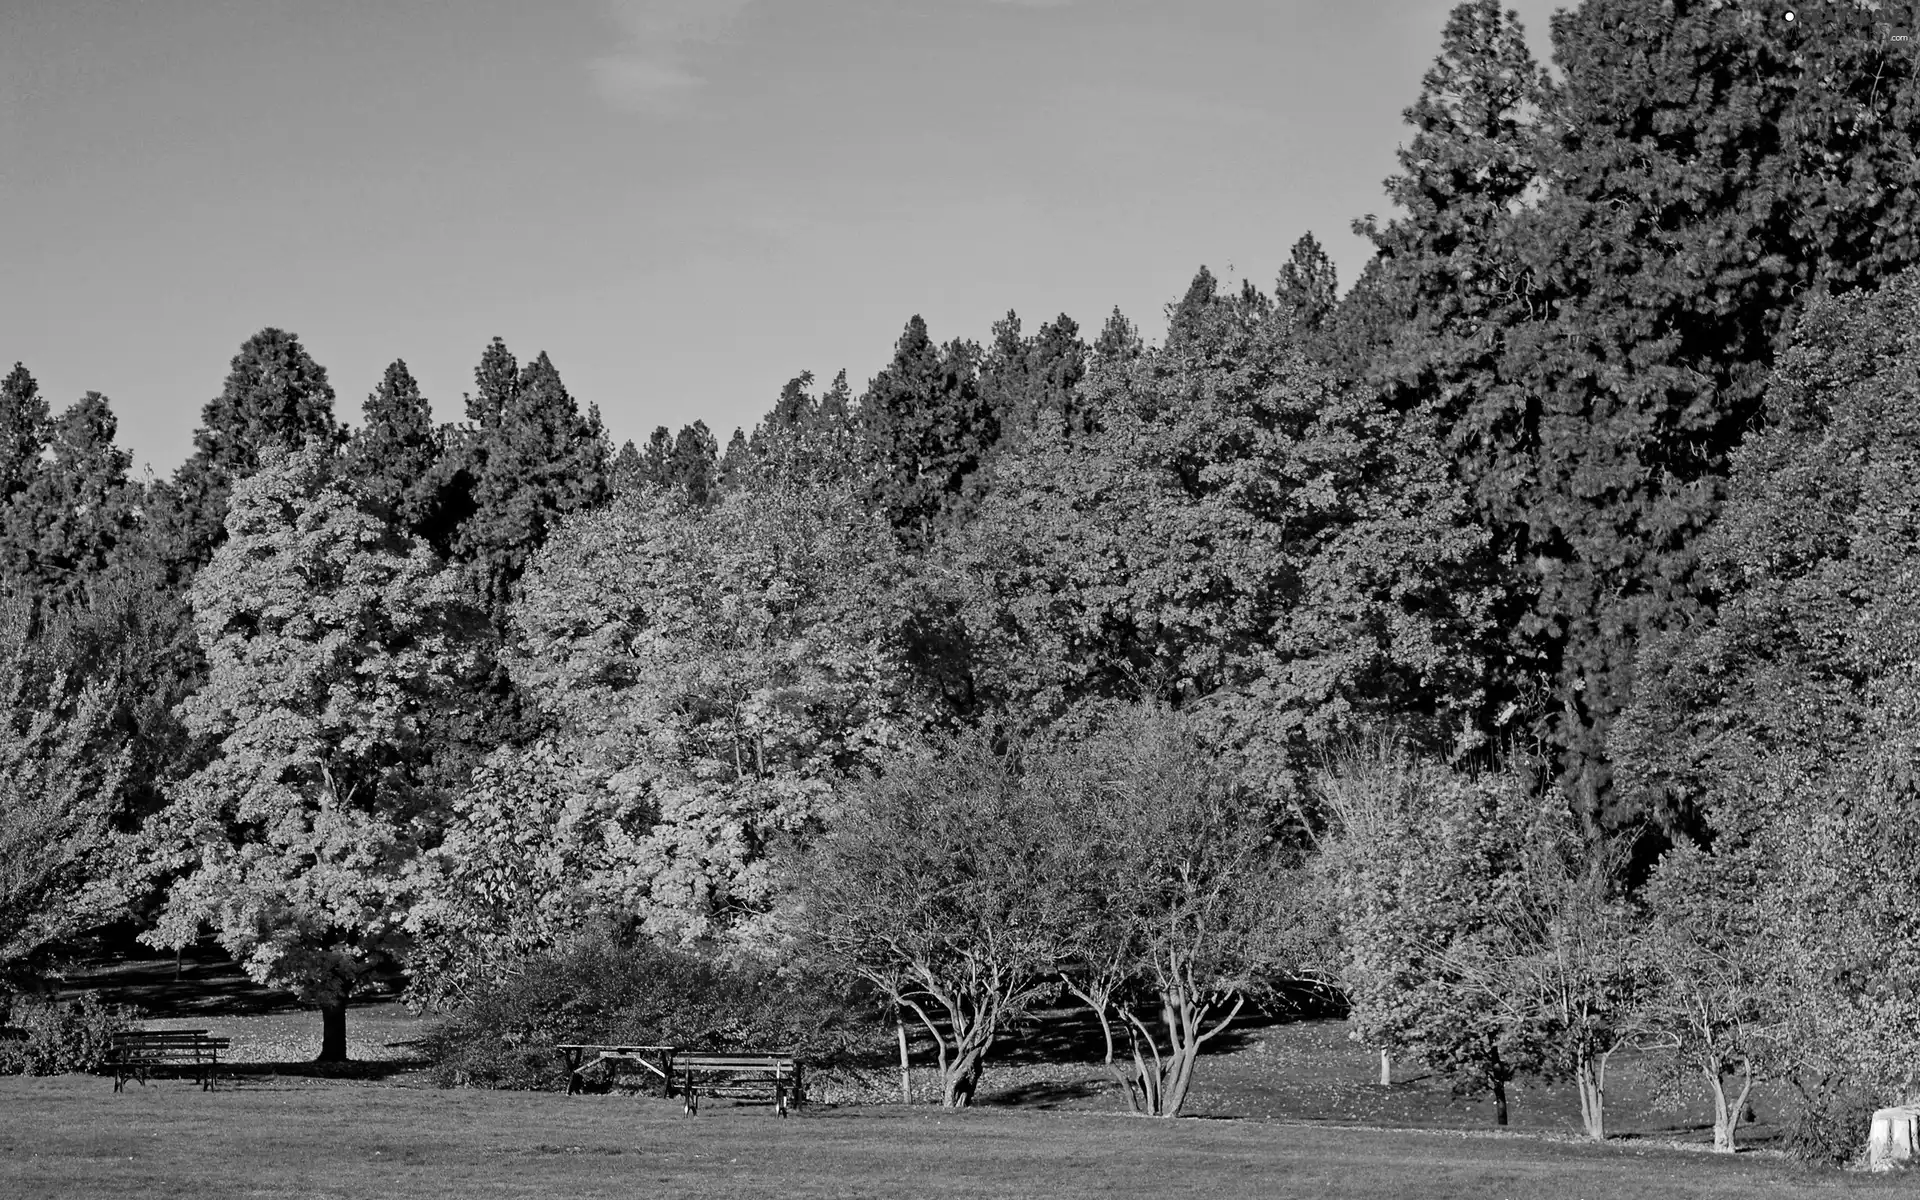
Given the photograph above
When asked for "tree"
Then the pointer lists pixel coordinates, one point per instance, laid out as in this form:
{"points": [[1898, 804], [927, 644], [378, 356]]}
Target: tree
{"points": [[1031, 383], [1717, 1006], [716, 672], [330, 637], [1479, 936], [23, 420], [934, 885], [535, 459], [1785, 718], [930, 429], [74, 509], [1184, 900], [1595, 353], [395, 457], [1242, 535], [276, 398], [1309, 286], [63, 768], [693, 468]]}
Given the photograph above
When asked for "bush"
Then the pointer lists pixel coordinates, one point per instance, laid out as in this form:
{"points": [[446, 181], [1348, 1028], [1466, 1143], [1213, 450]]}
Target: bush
{"points": [[1831, 1121], [503, 1035], [54, 1038]]}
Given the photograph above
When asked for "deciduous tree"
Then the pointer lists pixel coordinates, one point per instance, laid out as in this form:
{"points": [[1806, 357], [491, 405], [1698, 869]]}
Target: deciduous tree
{"points": [[330, 639]]}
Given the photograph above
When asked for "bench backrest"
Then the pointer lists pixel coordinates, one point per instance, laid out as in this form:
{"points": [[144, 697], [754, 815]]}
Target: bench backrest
{"points": [[735, 1062], [169, 1039]]}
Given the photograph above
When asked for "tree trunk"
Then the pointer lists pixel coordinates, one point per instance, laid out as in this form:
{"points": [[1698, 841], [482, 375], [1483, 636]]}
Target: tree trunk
{"points": [[1590, 1077], [1386, 1068], [906, 1071], [962, 1078], [1500, 1102], [1727, 1109], [333, 1032]]}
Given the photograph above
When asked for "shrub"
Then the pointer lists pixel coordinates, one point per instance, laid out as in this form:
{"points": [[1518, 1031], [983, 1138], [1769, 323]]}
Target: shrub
{"points": [[1831, 1120], [503, 1035], [54, 1037]]}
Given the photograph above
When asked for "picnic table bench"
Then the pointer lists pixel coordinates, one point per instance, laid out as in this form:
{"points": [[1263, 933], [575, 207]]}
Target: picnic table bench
{"points": [[745, 1073], [136, 1054], [739, 1074], [658, 1059]]}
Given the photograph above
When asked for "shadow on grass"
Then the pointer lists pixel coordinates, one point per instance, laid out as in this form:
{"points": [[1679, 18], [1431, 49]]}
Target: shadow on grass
{"points": [[382, 1069], [1044, 1094]]}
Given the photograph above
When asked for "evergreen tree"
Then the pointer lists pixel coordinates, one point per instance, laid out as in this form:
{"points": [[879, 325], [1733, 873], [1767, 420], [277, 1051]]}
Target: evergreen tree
{"points": [[693, 468], [61, 529], [1309, 286], [276, 398], [929, 427], [1118, 339], [737, 461], [1597, 275], [534, 459], [23, 420], [659, 451], [1187, 317], [629, 469], [1030, 382], [496, 383], [395, 457], [810, 435]]}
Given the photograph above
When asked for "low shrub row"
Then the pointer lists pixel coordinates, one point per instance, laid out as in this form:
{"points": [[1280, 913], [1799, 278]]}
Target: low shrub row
{"points": [[46, 1037], [636, 993]]}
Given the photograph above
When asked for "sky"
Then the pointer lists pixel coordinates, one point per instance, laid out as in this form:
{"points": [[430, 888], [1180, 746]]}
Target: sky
{"points": [[684, 202]]}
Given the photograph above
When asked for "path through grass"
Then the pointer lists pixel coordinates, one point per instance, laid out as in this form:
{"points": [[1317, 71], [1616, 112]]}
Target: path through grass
{"points": [[72, 1137]]}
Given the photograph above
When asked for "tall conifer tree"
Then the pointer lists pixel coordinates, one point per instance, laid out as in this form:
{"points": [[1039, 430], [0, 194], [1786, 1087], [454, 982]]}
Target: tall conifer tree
{"points": [[276, 398]]}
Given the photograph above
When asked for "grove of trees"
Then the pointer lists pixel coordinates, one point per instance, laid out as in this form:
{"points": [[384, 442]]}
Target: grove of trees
{"points": [[1522, 644]]}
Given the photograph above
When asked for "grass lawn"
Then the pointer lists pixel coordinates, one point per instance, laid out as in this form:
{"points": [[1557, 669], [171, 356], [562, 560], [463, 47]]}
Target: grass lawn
{"points": [[267, 1136]]}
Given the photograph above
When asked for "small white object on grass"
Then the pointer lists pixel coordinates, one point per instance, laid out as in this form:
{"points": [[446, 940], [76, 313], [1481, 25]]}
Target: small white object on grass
{"points": [[1894, 1139]]}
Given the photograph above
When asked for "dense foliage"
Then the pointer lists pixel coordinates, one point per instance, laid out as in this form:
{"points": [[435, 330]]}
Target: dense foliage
{"points": [[1522, 640], [604, 990]]}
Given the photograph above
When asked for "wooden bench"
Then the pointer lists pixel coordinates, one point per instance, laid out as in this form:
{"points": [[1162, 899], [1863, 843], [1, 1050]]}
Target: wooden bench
{"points": [[137, 1054], [743, 1074], [658, 1059]]}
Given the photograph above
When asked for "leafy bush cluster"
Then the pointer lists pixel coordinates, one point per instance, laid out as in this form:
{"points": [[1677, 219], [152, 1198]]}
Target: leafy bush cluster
{"points": [[604, 990], [57, 1037]]}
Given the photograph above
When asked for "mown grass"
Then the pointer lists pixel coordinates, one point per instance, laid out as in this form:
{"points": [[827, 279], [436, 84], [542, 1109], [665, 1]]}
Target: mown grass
{"points": [[72, 1137]]}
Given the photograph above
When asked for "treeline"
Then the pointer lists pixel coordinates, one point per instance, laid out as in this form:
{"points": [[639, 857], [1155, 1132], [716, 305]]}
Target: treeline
{"points": [[1523, 639]]}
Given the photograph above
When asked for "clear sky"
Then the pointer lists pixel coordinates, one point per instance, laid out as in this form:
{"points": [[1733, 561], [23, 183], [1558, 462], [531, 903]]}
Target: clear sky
{"points": [[685, 202]]}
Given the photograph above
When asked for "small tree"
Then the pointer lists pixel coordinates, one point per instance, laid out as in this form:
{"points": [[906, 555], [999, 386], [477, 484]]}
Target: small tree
{"points": [[62, 769], [328, 638], [938, 886], [1714, 1006], [1186, 901], [1475, 936]]}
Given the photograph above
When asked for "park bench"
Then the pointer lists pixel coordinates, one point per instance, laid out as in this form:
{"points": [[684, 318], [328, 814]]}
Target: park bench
{"points": [[137, 1054], [743, 1074], [583, 1056]]}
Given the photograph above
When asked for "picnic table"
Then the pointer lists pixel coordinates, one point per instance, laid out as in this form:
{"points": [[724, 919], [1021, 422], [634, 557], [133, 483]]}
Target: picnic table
{"points": [[739, 1073], [583, 1055], [136, 1054]]}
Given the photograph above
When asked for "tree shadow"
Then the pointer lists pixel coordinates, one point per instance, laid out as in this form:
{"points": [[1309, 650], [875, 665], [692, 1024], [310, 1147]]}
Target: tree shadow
{"points": [[1044, 1094], [381, 1069], [1072, 1034], [202, 981]]}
